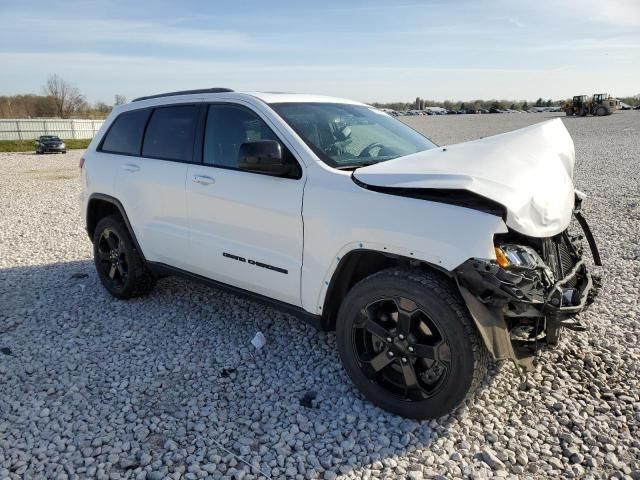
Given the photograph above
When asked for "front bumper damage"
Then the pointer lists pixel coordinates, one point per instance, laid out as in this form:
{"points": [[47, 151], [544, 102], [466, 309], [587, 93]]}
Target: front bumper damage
{"points": [[517, 311]]}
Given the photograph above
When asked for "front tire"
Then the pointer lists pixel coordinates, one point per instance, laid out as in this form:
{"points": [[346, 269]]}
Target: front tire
{"points": [[406, 340], [119, 265]]}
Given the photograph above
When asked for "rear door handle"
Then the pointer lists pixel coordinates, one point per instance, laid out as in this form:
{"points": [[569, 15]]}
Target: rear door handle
{"points": [[202, 180], [130, 167]]}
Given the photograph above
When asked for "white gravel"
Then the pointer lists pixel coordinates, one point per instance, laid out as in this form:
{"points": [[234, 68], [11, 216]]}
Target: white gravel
{"points": [[95, 387]]}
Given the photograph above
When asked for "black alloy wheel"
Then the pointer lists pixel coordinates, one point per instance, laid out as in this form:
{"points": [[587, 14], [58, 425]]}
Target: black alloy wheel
{"points": [[407, 341], [113, 258], [120, 266], [400, 348]]}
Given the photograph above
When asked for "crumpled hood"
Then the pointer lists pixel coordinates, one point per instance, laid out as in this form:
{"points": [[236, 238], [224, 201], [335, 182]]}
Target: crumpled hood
{"points": [[528, 171]]}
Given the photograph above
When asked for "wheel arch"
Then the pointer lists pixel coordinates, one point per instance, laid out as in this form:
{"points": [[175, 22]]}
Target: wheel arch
{"points": [[357, 264], [101, 205]]}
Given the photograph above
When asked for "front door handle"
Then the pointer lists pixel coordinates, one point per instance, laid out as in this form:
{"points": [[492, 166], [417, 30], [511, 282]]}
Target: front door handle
{"points": [[202, 180], [130, 167]]}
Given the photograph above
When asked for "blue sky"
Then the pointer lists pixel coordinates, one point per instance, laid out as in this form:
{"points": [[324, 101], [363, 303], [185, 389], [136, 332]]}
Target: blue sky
{"points": [[370, 50]]}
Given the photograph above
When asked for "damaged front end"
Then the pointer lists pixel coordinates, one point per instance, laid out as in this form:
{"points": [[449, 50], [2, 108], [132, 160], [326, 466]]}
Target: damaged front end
{"points": [[532, 290]]}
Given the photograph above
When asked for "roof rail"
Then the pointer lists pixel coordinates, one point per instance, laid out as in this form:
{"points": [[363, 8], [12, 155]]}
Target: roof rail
{"points": [[184, 92]]}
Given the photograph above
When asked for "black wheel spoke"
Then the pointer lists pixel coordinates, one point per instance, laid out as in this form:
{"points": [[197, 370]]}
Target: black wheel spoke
{"points": [[405, 311], [409, 375], [112, 271], [380, 361], [103, 256], [121, 270], [439, 352], [404, 322], [112, 241], [373, 327]]}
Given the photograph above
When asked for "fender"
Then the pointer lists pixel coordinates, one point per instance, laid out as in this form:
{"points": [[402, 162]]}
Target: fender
{"points": [[116, 203], [393, 253], [490, 322], [433, 233]]}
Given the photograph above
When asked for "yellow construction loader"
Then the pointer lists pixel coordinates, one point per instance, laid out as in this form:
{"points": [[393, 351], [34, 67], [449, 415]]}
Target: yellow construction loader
{"points": [[600, 104]]}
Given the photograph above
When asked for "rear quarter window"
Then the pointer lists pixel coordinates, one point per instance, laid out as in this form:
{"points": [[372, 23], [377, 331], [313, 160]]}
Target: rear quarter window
{"points": [[125, 134]]}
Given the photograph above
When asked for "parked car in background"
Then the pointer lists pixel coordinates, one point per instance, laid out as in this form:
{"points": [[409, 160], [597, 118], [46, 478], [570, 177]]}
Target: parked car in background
{"points": [[50, 144]]}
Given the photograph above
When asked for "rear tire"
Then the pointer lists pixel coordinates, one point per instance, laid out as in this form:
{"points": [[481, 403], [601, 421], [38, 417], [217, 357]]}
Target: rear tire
{"points": [[120, 266], [429, 370]]}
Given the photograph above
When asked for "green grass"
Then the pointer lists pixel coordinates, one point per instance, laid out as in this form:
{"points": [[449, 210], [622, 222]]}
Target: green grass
{"points": [[29, 145]]}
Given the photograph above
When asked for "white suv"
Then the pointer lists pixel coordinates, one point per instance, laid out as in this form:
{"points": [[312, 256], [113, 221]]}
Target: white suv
{"points": [[425, 259]]}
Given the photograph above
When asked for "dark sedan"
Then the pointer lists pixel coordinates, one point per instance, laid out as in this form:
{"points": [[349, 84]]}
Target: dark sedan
{"points": [[50, 143]]}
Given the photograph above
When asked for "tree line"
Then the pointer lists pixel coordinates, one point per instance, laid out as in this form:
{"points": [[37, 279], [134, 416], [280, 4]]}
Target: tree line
{"points": [[62, 99], [420, 104], [59, 98]]}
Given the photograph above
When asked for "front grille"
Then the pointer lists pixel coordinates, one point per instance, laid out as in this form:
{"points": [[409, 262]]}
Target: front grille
{"points": [[559, 256]]}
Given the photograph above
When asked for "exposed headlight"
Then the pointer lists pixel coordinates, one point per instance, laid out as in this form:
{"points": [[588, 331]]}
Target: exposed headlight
{"points": [[62, 145], [519, 256]]}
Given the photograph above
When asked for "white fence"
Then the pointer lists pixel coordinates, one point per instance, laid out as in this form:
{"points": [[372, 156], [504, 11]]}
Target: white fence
{"points": [[21, 129]]}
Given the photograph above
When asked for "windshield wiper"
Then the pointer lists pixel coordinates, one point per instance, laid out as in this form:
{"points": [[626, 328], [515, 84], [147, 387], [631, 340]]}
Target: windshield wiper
{"points": [[353, 166]]}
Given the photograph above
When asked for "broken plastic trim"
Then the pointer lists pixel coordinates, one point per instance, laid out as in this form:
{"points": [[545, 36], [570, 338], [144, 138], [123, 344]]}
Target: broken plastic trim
{"points": [[457, 197], [498, 287], [493, 295]]}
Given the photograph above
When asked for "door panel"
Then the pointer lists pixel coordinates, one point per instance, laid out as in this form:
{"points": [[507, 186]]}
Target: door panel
{"points": [[246, 228], [151, 187], [153, 194]]}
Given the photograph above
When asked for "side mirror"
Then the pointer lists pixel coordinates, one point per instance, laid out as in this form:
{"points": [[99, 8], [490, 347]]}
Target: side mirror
{"points": [[263, 156]]}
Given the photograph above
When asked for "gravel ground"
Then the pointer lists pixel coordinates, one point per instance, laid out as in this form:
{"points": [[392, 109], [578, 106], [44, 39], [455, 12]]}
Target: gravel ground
{"points": [[168, 385]]}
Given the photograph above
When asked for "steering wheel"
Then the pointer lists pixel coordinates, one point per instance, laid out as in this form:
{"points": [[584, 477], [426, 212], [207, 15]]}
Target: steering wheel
{"points": [[366, 151]]}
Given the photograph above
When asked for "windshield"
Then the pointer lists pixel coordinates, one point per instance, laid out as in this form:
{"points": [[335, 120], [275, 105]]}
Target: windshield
{"points": [[49, 137], [350, 136]]}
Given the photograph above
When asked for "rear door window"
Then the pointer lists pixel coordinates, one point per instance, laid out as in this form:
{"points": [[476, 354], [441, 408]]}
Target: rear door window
{"points": [[170, 133], [125, 135]]}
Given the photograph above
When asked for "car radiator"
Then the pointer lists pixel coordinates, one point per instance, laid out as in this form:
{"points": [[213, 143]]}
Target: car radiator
{"points": [[559, 254]]}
